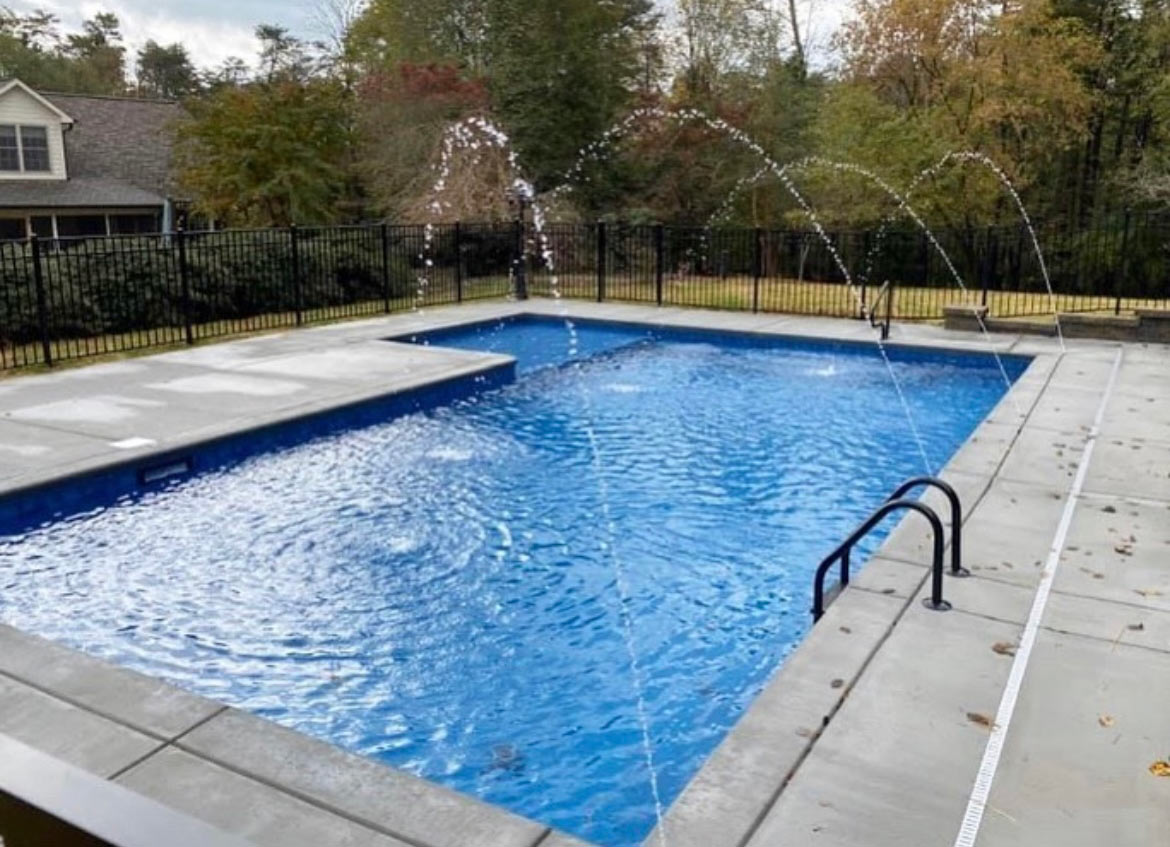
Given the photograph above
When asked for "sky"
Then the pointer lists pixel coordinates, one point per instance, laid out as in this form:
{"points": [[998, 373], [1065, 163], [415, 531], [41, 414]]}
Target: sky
{"points": [[213, 30]]}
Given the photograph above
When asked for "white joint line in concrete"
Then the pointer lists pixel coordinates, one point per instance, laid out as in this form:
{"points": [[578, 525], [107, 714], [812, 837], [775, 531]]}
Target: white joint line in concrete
{"points": [[981, 791]]}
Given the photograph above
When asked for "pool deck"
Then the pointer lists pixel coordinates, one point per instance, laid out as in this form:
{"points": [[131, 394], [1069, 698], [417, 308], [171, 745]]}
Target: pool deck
{"points": [[874, 732]]}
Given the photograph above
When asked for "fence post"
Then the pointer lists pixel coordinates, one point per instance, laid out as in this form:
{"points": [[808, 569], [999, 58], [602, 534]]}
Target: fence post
{"points": [[757, 268], [296, 271], [659, 260], [185, 284], [1124, 261], [458, 237], [384, 232], [601, 256], [867, 269], [984, 266], [520, 266], [42, 300], [924, 259]]}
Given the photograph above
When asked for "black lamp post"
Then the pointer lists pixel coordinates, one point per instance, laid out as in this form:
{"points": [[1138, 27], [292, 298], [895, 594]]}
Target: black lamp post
{"points": [[520, 199]]}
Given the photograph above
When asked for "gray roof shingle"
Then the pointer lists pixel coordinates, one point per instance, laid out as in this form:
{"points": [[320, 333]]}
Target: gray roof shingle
{"points": [[74, 192], [120, 139]]}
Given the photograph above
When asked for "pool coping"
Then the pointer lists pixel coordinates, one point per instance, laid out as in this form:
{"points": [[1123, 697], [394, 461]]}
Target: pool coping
{"points": [[176, 732]]}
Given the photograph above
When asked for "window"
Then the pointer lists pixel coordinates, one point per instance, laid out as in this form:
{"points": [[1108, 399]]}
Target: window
{"points": [[133, 224], [11, 229], [9, 150], [34, 141], [24, 148], [42, 226], [69, 226]]}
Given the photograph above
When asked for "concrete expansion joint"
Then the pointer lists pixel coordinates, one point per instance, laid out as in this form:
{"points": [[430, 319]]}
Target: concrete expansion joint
{"points": [[171, 742]]}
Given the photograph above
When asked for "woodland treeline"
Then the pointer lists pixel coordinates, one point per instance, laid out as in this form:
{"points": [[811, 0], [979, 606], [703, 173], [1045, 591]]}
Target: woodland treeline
{"points": [[1071, 98]]}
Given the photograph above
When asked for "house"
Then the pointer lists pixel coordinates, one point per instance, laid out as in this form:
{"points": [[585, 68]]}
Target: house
{"points": [[75, 164]]}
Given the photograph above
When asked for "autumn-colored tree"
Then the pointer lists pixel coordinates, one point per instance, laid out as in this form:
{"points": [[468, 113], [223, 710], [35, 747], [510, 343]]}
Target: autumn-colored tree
{"points": [[926, 76], [402, 115]]}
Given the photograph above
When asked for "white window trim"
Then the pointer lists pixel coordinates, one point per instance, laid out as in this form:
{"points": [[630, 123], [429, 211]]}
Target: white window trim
{"points": [[20, 149]]}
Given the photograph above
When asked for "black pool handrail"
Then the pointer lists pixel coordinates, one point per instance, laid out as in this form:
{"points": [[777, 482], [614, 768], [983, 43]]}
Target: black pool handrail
{"points": [[885, 292], [957, 568], [842, 552]]}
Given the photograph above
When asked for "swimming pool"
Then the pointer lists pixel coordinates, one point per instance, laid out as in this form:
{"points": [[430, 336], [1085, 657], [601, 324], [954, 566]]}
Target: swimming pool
{"points": [[437, 591]]}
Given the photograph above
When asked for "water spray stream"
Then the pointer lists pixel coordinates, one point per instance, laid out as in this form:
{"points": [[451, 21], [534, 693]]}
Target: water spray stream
{"points": [[732, 133], [493, 136], [989, 163], [903, 205]]}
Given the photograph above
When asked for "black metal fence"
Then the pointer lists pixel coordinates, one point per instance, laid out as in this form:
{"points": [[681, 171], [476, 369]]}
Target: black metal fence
{"points": [[73, 298]]}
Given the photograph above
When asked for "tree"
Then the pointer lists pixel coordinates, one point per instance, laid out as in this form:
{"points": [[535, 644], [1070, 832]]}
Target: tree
{"points": [[33, 49], [402, 115], [456, 32], [166, 71], [99, 55], [282, 56], [562, 72], [266, 154], [719, 40], [962, 74]]}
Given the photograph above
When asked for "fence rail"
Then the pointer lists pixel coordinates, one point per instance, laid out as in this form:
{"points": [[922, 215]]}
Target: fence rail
{"points": [[71, 298]]}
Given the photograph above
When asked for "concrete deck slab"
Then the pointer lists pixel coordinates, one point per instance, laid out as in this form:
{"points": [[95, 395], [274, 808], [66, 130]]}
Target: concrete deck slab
{"points": [[260, 813], [1010, 531], [1097, 789], [358, 788], [71, 734], [139, 702], [900, 756], [1044, 457], [1131, 469], [1143, 415]]}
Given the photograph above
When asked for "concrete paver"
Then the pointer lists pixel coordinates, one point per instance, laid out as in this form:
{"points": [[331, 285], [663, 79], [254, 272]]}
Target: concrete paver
{"points": [[360, 788], [895, 765], [1091, 720], [260, 813], [69, 733], [140, 702]]}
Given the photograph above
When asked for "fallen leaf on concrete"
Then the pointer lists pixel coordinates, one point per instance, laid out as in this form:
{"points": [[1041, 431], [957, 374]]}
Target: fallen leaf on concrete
{"points": [[1136, 627], [845, 630], [1123, 549], [837, 683], [1004, 648], [1105, 721], [980, 720], [1109, 510], [1160, 768], [1148, 592]]}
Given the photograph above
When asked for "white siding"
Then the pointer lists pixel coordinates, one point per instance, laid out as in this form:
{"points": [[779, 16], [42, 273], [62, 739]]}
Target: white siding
{"points": [[17, 107]]}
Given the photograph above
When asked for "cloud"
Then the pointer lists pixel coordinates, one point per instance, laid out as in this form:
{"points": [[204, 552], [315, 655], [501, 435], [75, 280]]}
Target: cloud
{"points": [[211, 31]]}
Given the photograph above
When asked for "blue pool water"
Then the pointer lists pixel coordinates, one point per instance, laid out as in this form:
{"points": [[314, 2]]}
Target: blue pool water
{"points": [[438, 591]]}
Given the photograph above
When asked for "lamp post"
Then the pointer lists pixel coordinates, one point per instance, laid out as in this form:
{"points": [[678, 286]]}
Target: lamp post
{"points": [[520, 198]]}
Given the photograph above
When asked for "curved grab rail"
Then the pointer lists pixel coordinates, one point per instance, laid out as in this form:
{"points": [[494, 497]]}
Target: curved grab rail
{"points": [[886, 292], [957, 568], [841, 554]]}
